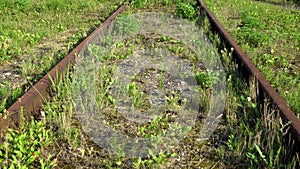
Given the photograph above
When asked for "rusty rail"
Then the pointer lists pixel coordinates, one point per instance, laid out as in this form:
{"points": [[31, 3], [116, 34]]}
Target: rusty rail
{"points": [[286, 113], [31, 102]]}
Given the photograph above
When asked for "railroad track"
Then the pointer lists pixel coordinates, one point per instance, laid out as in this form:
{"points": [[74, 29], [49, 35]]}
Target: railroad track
{"points": [[249, 70], [31, 102]]}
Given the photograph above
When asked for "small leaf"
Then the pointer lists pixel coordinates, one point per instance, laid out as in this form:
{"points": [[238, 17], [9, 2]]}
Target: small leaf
{"points": [[9, 137], [278, 153], [119, 163], [261, 153], [30, 159], [271, 158], [252, 156]]}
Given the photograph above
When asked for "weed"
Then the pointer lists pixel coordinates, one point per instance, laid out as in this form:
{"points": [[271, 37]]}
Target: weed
{"points": [[23, 3], [185, 10], [35, 35], [203, 79], [8, 96], [127, 25], [257, 134], [22, 148], [264, 31], [250, 138], [135, 93]]}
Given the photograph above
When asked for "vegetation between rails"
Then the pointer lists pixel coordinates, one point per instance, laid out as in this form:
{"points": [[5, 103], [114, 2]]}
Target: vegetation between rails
{"points": [[247, 137]]}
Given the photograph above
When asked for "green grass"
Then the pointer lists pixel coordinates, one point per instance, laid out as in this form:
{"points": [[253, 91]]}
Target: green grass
{"points": [[25, 146], [248, 136], [256, 135], [283, 2], [270, 36], [31, 25], [36, 35]]}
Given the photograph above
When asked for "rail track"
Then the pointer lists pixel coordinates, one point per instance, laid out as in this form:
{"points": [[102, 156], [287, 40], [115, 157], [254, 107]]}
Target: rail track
{"points": [[249, 70], [31, 102]]}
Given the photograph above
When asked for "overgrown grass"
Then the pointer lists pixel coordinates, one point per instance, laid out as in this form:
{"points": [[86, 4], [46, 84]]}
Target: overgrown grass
{"points": [[257, 137], [283, 2], [250, 135], [28, 24], [36, 35], [24, 147], [269, 34]]}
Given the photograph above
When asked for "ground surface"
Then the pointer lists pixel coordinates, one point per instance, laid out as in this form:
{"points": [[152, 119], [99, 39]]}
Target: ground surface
{"points": [[246, 137]]}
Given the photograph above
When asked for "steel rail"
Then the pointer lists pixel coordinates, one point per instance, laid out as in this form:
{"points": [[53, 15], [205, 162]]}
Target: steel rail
{"points": [[32, 101], [286, 113]]}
